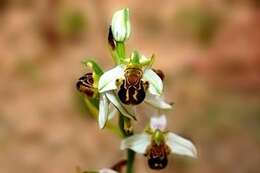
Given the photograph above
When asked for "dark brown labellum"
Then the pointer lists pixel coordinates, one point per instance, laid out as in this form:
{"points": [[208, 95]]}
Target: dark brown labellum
{"points": [[159, 73], [85, 85], [132, 89], [157, 156]]}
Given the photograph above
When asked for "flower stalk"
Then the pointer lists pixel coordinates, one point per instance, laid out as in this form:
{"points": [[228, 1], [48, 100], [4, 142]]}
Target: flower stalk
{"points": [[119, 92], [130, 153]]}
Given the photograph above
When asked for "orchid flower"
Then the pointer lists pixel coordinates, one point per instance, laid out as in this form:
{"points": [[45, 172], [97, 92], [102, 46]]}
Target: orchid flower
{"points": [[134, 82], [109, 104], [156, 144]]}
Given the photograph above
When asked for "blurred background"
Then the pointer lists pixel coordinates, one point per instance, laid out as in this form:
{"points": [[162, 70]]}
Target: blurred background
{"points": [[208, 49]]}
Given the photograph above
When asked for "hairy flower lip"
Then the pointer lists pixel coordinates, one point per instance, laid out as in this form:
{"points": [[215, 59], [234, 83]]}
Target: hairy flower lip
{"points": [[108, 80], [85, 85]]}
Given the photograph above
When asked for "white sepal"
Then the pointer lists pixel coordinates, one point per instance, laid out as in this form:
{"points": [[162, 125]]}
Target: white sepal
{"points": [[112, 97], [112, 111], [181, 146], [137, 143], [107, 81], [157, 101], [155, 82], [120, 25], [103, 111], [158, 122], [106, 170]]}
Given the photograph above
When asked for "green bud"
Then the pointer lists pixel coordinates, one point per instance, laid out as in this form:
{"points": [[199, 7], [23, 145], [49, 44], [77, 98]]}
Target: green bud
{"points": [[120, 25]]}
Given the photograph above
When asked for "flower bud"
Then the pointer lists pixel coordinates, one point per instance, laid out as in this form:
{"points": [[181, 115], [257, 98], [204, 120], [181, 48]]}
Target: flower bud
{"points": [[120, 26]]}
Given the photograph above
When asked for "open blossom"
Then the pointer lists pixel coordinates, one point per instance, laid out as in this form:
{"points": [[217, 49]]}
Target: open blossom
{"points": [[134, 82], [109, 104], [157, 143]]}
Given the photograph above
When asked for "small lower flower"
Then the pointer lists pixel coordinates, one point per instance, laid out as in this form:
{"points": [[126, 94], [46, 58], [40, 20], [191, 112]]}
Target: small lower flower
{"points": [[156, 144]]}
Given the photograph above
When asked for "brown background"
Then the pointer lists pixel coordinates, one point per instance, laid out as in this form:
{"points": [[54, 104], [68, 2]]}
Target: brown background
{"points": [[208, 49]]}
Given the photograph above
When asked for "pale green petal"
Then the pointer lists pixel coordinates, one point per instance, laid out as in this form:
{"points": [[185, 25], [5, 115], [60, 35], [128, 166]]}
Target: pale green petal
{"points": [[103, 111], [181, 146], [155, 82], [120, 25], [158, 122], [157, 102], [137, 143], [112, 97], [108, 80], [147, 61]]}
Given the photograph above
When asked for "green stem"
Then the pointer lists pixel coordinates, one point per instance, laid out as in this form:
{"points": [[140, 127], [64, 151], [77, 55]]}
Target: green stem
{"points": [[130, 153], [121, 125], [130, 161], [120, 48]]}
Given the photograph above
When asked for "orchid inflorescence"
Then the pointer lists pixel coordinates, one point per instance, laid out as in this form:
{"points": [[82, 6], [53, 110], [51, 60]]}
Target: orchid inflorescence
{"points": [[120, 90]]}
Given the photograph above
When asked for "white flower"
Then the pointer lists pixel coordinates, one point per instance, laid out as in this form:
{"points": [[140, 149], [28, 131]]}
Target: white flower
{"points": [[109, 106], [134, 84], [120, 25], [161, 141]]}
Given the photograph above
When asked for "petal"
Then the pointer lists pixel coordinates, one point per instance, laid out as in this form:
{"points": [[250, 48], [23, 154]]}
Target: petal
{"points": [[105, 170], [108, 80], [157, 102], [103, 111], [180, 145], [112, 111], [158, 122], [119, 106], [137, 143], [147, 61], [155, 82]]}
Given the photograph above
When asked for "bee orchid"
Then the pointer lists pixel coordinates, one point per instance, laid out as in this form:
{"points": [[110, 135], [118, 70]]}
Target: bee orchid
{"points": [[134, 82], [156, 144], [109, 104]]}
